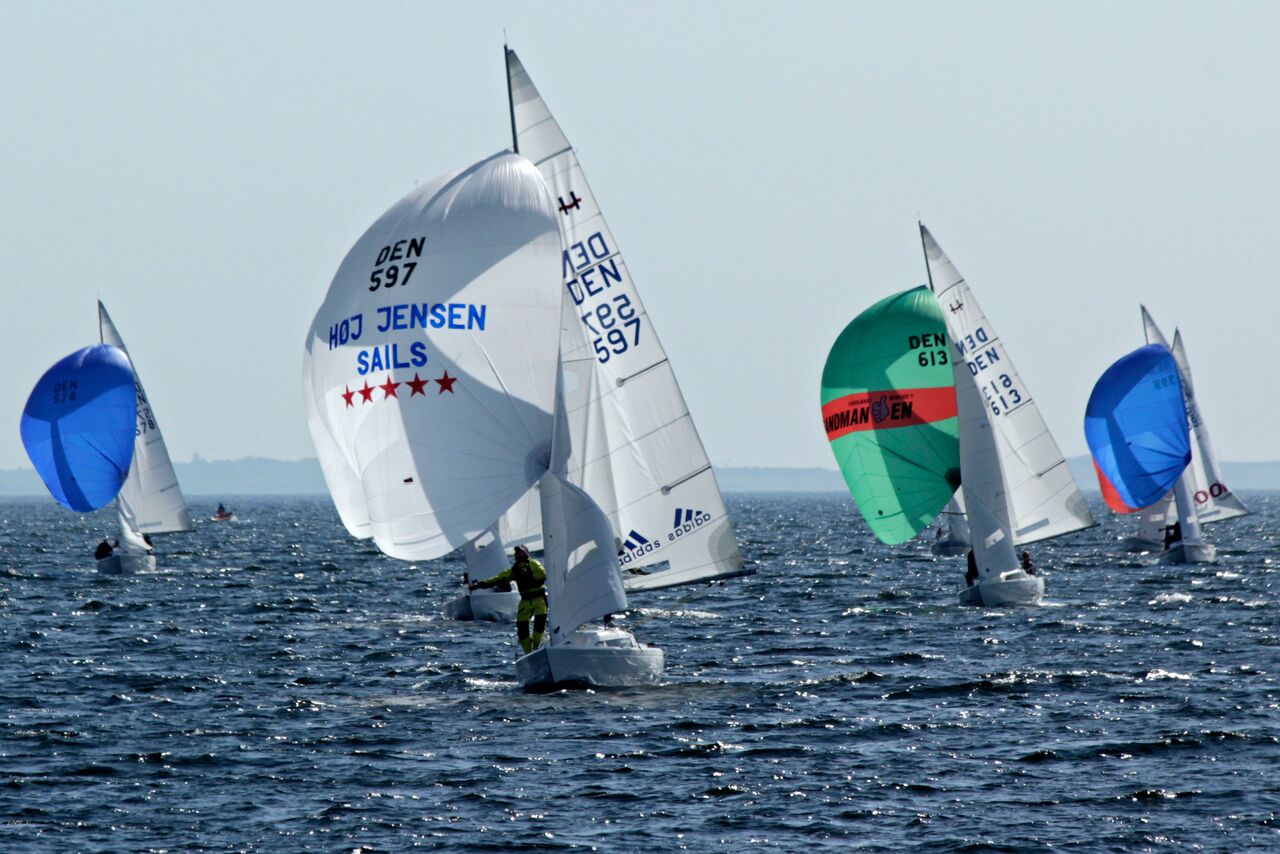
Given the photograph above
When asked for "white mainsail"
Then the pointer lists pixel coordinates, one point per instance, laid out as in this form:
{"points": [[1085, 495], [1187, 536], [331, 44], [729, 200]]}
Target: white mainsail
{"points": [[1044, 500], [150, 502], [431, 367], [1214, 501], [636, 451]]}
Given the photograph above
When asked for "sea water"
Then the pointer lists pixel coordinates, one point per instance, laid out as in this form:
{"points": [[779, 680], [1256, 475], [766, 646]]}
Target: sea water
{"points": [[278, 686]]}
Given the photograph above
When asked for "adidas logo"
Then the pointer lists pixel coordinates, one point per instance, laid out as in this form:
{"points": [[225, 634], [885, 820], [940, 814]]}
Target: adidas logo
{"points": [[633, 541], [684, 516], [635, 545]]}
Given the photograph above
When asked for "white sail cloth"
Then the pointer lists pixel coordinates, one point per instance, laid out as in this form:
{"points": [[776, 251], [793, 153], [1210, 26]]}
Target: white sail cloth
{"points": [[1044, 500], [583, 582], [150, 501], [1214, 500], [636, 451], [430, 369], [982, 481]]}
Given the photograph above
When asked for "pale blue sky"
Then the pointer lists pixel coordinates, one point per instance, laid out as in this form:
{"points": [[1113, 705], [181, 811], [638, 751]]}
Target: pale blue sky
{"points": [[204, 169]]}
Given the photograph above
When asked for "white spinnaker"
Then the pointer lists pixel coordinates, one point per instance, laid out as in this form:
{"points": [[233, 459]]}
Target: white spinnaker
{"points": [[1044, 500], [1213, 499], [583, 582], [982, 479], [431, 365], [641, 458], [150, 502]]}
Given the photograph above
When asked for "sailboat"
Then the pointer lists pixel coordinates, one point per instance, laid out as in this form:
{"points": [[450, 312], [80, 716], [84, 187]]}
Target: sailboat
{"points": [[1213, 500], [636, 450], [1043, 498], [150, 501], [78, 427], [435, 399], [952, 538], [1136, 427]]}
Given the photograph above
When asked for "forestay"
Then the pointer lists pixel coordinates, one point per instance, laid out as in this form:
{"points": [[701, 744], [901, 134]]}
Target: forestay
{"points": [[889, 410], [430, 370], [1213, 498], [1044, 500], [150, 502], [636, 451]]}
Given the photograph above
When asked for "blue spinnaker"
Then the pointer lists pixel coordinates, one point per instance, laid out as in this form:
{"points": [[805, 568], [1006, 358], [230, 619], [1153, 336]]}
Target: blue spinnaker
{"points": [[1136, 427], [79, 425]]}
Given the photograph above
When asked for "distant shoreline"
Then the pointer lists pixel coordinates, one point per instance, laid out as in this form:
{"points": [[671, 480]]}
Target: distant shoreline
{"points": [[261, 476]]}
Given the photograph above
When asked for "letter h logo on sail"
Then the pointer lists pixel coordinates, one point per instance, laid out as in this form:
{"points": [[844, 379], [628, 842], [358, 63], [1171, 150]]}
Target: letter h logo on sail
{"points": [[633, 541]]}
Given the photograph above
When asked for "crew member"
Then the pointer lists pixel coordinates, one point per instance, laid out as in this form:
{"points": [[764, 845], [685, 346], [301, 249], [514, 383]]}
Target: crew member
{"points": [[971, 574], [103, 550], [530, 579], [1026, 563]]}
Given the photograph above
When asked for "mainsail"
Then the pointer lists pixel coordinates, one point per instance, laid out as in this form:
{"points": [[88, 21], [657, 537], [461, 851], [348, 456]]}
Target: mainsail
{"points": [[1214, 501], [1044, 500], [430, 370], [636, 451], [889, 409], [150, 502]]}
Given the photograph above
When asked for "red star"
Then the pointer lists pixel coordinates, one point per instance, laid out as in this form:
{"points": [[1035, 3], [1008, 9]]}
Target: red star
{"points": [[389, 388], [347, 395], [417, 385], [367, 392], [446, 383]]}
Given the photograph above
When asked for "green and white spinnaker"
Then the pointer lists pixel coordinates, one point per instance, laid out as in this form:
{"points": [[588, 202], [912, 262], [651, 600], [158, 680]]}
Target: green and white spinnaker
{"points": [[889, 409]]}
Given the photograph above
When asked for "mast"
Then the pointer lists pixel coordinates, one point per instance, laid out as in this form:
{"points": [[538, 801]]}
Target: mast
{"points": [[511, 103], [928, 272]]}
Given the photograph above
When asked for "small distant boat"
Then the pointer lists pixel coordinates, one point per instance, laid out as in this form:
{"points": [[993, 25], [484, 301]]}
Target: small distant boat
{"points": [[150, 500], [78, 427], [1136, 427], [222, 514], [1213, 500]]}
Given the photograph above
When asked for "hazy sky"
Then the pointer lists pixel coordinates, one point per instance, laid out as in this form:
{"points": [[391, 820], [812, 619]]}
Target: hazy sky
{"points": [[203, 169]]}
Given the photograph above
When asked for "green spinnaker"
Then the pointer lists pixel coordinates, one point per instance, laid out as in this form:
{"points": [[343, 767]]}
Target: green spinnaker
{"points": [[889, 408]]}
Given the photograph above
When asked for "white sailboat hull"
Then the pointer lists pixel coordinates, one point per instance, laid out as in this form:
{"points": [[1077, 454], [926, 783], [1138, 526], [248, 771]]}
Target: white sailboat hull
{"points": [[1014, 587], [1140, 544], [950, 548], [493, 606], [1190, 553], [591, 658], [121, 564]]}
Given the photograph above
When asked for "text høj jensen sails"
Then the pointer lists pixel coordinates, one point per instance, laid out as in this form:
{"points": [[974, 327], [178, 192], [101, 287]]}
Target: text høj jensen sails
{"points": [[636, 450], [429, 431]]}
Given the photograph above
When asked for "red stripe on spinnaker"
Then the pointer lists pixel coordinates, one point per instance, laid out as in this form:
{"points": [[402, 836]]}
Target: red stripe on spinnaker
{"points": [[1111, 495], [885, 410]]}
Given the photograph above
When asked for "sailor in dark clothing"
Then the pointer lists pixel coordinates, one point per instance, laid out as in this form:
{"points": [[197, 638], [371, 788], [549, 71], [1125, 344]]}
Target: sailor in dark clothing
{"points": [[971, 574], [530, 579], [103, 550], [1026, 563], [1172, 535]]}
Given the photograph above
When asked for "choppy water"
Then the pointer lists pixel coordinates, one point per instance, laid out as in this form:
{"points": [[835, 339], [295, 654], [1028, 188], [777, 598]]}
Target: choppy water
{"points": [[276, 686]]}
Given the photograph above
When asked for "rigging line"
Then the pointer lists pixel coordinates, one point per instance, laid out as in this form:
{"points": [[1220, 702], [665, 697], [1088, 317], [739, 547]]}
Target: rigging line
{"points": [[666, 490], [628, 379]]}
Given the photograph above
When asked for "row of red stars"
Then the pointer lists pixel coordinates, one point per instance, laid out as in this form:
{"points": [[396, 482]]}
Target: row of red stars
{"points": [[417, 385]]}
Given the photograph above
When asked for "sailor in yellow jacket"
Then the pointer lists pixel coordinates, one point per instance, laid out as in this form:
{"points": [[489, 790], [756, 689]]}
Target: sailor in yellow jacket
{"points": [[530, 579]]}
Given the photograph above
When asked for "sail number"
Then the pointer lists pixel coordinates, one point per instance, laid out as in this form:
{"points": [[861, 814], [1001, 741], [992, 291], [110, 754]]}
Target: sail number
{"points": [[386, 274], [932, 357], [610, 322], [1001, 394]]}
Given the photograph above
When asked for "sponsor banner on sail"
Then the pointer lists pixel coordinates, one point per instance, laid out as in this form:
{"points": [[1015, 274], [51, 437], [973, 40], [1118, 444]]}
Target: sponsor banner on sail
{"points": [[887, 409]]}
